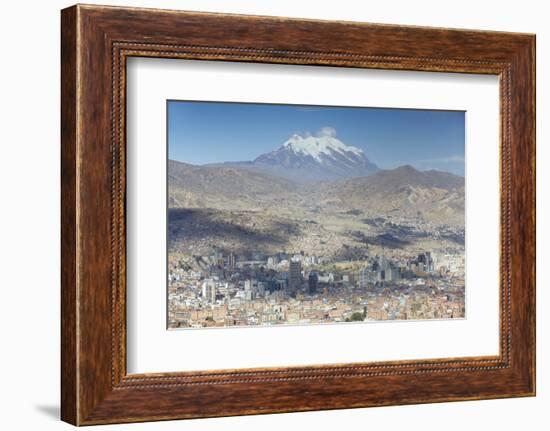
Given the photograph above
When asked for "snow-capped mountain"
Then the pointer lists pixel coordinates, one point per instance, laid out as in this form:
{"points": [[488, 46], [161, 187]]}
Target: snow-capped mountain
{"points": [[314, 158], [320, 147]]}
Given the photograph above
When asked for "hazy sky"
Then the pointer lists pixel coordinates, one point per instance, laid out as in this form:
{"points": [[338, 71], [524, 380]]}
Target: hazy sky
{"points": [[212, 132]]}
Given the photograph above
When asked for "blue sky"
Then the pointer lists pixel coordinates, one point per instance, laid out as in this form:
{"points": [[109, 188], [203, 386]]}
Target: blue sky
{"points": [[212, 132]]}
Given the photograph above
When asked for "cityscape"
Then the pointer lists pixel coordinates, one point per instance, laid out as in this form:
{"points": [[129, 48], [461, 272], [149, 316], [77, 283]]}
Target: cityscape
{"points": [[311, 232], [297, 289]]}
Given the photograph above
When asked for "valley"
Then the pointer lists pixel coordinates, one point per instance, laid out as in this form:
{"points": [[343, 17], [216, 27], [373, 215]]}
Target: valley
{"points": [[313, 232]]}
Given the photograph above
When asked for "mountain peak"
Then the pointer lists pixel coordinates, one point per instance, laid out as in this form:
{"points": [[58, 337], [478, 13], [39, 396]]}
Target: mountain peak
{"points": [[308, 159], [323, 157], [319, 146]]}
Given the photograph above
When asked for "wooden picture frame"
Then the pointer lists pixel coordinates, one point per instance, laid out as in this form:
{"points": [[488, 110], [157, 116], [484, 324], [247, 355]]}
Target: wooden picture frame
{"points": [[95, 43]]}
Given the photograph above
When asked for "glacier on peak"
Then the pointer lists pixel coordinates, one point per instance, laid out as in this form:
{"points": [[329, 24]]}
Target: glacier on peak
{"points": [[315, 146]]}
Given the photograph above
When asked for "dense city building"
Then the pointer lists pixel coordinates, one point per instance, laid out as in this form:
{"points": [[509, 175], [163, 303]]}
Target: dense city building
{"points": [[294, 276], [231, 290]]}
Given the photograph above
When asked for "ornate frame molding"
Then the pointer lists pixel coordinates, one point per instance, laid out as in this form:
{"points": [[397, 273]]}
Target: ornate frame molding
{"points": [[96, 41]]}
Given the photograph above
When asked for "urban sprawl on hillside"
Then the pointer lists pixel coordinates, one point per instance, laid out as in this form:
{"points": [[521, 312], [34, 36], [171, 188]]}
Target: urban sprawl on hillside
{"points": [[224, 289]]}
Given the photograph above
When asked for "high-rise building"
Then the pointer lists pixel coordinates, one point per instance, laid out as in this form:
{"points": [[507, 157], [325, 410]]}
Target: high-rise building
{"points": [[429, 261], [364, 277], [261, 288], [250, 289], [232, 260], [294, 276], [280, 284], [209, 290], [313, 282], [425, 261]]}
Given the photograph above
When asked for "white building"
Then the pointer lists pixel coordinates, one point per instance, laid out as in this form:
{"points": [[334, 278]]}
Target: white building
{"points": [[209, 290]]}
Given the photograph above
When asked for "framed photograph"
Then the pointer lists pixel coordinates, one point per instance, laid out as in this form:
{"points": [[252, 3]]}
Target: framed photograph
{"points": [[264, 214]]}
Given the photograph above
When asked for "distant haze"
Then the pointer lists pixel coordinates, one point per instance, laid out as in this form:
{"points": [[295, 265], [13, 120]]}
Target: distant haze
{"points": [[201, 133]]}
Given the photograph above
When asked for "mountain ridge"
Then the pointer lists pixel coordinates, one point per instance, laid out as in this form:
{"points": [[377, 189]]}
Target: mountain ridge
{"points": [[196, 186], [437, 195], [403, 190]]}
